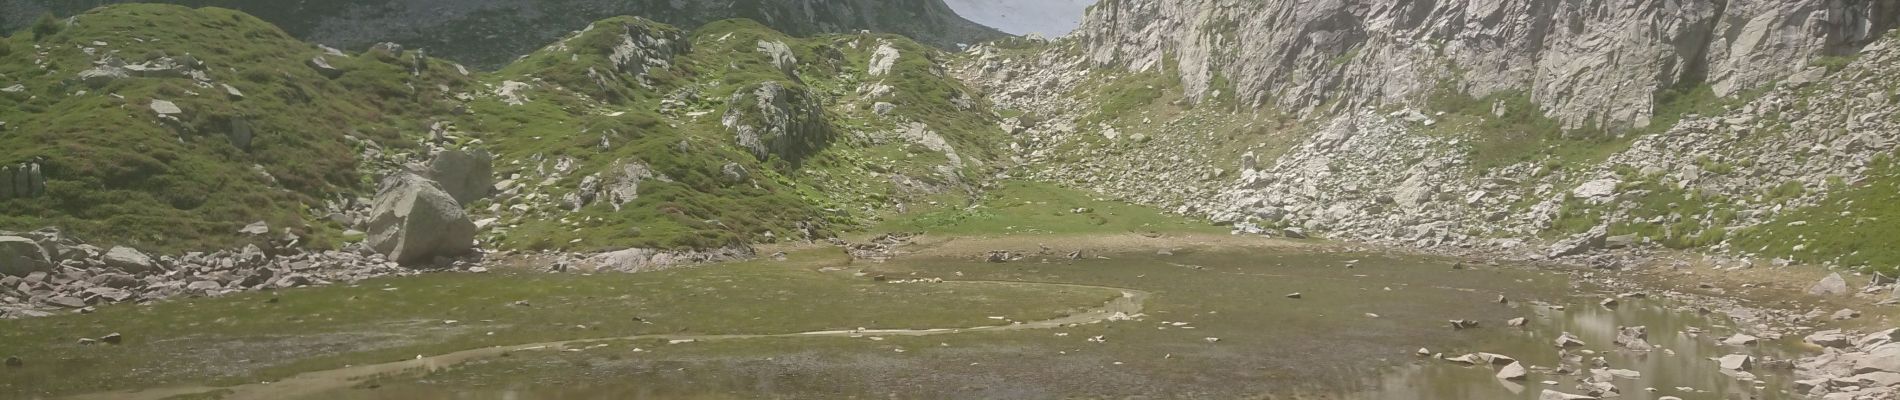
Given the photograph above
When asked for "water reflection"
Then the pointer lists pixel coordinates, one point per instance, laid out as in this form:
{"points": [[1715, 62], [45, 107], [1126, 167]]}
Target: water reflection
{"points": [[1681, 363]]}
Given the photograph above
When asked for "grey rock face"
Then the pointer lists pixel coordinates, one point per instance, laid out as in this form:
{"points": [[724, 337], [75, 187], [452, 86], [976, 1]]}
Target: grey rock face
{"points": [[771, 119], [413, 221], [1600, 62], [466, 175], [21, 256], [644, 48], [781, 56]]}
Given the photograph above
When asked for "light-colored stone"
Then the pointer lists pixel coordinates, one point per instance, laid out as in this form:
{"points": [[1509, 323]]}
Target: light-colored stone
{"points": [[414, 221], [129, 260]]}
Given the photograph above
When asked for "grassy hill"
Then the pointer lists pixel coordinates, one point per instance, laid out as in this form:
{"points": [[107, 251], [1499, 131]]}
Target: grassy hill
{"points": [[119, 171], [568, 124]]}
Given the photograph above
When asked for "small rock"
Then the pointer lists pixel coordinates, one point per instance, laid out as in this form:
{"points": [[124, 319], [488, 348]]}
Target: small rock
{"points": [[1293, 295], [1832, 285], [1846, 314], [112, 338], [1829, 338], [15, 362], [66, 301], [1513, 372], [1568, 340], [1608, 303], [1463, 324], [1737, 362], [1740, 340], [165, 108], [1519, 321]]}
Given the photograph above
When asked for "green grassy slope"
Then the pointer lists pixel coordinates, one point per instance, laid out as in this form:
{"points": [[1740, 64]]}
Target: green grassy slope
{"points": [[671, 119], [120, 174]]}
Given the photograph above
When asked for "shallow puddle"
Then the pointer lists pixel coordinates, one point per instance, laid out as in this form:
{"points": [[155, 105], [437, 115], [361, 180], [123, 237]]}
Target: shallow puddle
{"points": [[1217, 324]]}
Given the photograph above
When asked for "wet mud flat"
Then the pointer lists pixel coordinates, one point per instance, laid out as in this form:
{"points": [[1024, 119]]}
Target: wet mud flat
{"points": [[1290, 323]]}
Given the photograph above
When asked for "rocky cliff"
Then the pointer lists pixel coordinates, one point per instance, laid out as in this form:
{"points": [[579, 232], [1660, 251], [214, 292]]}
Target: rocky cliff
{"points": [[1756, 130], [490, 33], [1583, 62]]}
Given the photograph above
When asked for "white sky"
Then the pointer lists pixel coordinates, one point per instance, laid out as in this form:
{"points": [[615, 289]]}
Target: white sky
{"points": [[1051, 18]]}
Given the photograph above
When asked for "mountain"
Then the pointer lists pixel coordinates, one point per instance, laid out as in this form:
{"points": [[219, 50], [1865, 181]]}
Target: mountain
{"points": [[491, 33], [173, 129], [1748, 130]]}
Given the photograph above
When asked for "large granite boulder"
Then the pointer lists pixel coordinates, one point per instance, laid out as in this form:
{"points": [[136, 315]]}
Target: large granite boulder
{"points": [[466, 175], [20, 256], [414, 220]]}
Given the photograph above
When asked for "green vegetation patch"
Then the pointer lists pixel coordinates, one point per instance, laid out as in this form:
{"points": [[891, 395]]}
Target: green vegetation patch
{"points": [[1854, 226], [1026, 208]]}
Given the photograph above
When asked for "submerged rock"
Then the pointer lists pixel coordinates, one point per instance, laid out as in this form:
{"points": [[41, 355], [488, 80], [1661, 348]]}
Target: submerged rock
{"points": [[1513, 372], [1568, 340]]}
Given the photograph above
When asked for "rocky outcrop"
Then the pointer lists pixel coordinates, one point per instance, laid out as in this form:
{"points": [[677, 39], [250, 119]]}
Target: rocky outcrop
{"points": [[466, 175], [414, 221], [21, 256], [781, 57], [774, 119], [491, 33], [1397, 178], [643, 47], [1600, 63], [1865, 367]]}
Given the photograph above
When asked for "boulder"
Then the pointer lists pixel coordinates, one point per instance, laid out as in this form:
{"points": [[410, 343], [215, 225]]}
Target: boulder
{"points": [[1832, 285], [781, 56], [21, 256], [1736, 362], [414, 221], [1885, 358], [1580, 243], [323, 67], [129, 260], [1568, 340], [166, 108], [1828, 338], [466, 175], [1633, 337], [883, 59], [1513, 372]]}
